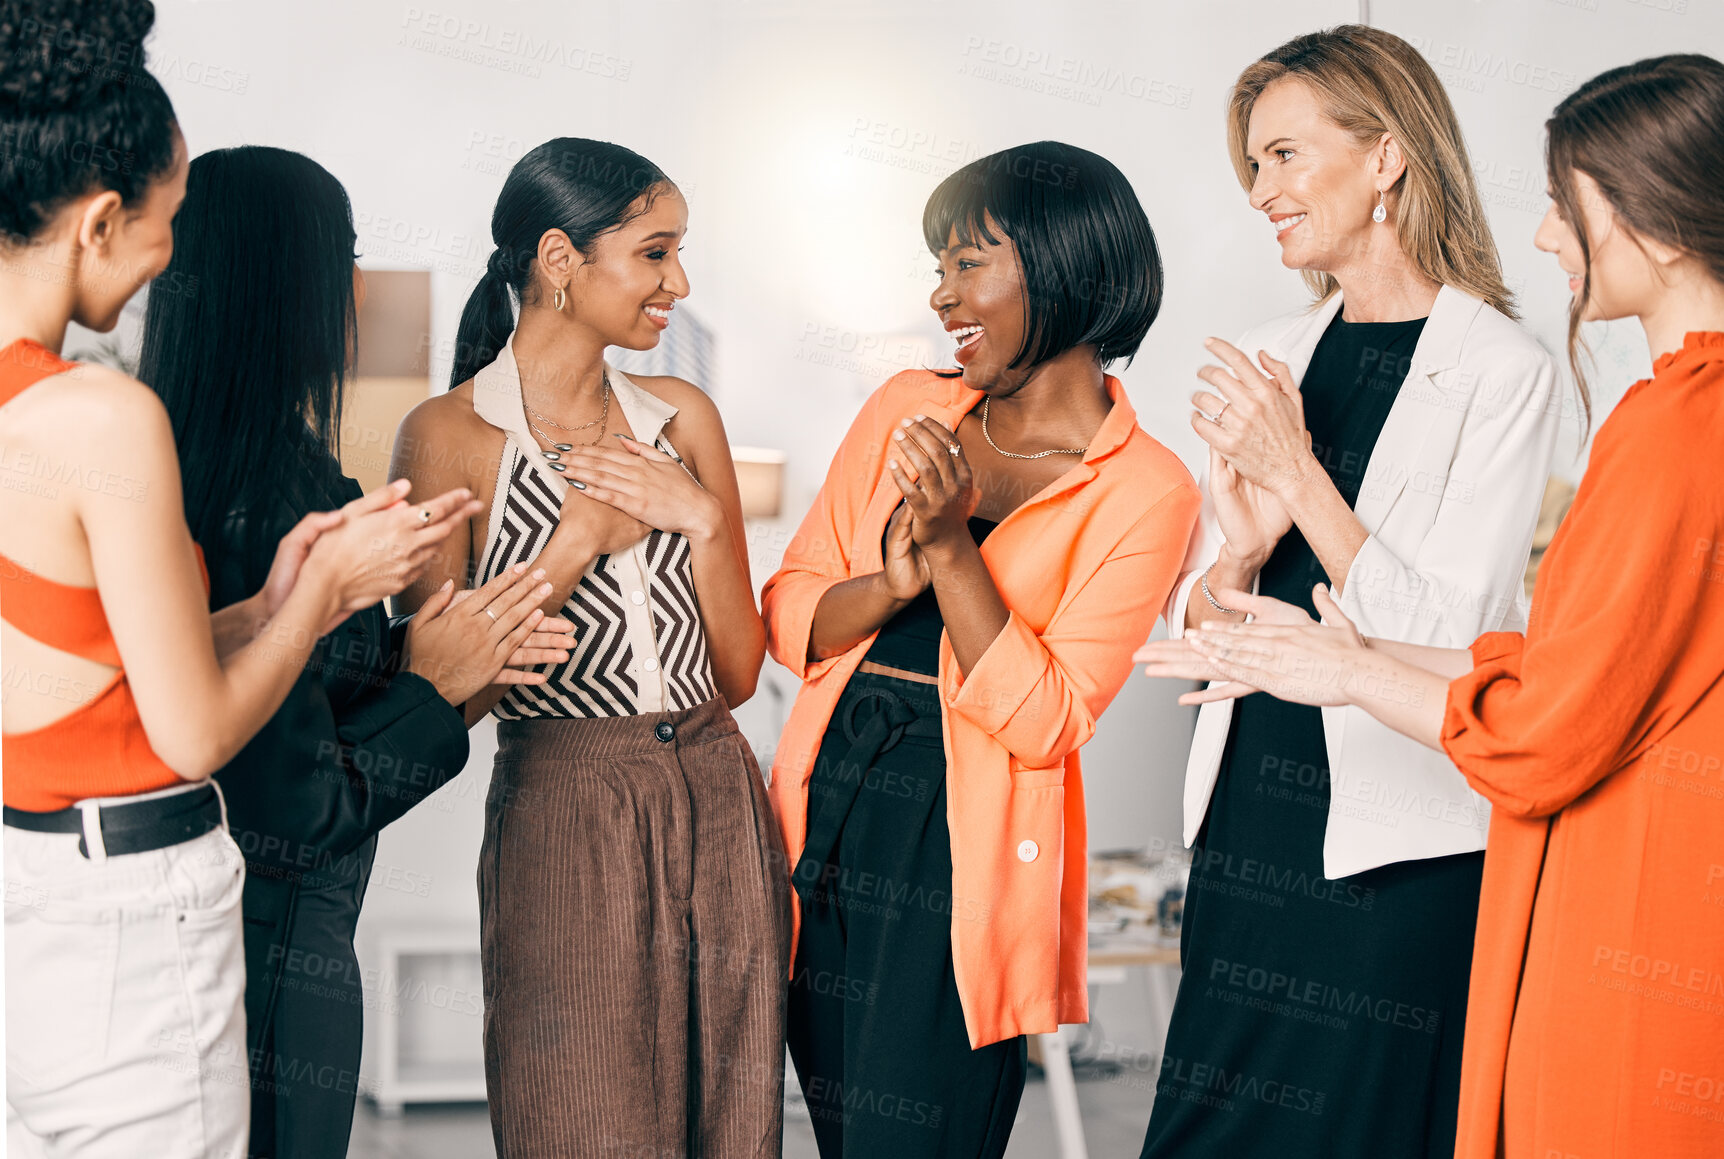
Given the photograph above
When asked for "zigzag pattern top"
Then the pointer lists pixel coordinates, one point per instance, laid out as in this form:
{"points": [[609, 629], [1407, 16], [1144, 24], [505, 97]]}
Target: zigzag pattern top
{"points": [[639, 644]]}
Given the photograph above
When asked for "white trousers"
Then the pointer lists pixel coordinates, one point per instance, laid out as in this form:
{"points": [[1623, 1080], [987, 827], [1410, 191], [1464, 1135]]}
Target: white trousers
{"points": [[125, 1000]]}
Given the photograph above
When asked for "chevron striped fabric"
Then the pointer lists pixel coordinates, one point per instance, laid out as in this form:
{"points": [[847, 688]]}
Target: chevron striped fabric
{"points": [[639, 644]]}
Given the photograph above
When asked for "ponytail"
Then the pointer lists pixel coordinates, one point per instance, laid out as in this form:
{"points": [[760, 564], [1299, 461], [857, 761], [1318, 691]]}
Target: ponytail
{"points": [[486, 322], [583, 188]]}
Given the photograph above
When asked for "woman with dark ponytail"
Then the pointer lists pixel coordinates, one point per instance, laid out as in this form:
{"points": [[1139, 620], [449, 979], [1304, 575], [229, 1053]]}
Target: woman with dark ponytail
{"points": [[632, 914], [251, 365], [125, 1028]]}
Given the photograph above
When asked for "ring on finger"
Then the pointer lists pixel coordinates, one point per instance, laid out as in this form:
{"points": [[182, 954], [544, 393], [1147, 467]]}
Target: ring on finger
{"points": [[492, 614], [1217, 417], [424, 515], [955, 449]]}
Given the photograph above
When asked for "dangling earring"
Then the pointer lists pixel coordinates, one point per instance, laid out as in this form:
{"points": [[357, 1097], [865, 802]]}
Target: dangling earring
{"points": [[558, 298], [1379, 213]]}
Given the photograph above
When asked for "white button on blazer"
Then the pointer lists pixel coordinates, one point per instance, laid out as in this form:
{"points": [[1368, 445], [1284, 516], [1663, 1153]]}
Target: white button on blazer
{"points": [[1450, 498]]}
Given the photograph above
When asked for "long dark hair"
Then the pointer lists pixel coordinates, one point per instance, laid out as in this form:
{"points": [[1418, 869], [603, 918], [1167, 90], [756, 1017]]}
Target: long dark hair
{"points": [[1649, 133], [584, 188], [248, 335], [78, 113], [1091, 268]]}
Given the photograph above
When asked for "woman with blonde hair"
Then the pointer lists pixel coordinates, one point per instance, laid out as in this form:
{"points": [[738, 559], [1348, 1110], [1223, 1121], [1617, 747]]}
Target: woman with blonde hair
{"points": [[1392, 439], [1595, 1026]]}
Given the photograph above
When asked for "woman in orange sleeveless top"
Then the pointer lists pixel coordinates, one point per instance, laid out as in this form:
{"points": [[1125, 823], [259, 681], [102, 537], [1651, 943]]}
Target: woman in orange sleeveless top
{"points": [[1596, 1020], [125, 1030]]}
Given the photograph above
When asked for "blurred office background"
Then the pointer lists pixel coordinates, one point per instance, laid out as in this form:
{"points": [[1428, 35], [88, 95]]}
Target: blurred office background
{"points": [[806, 137]]}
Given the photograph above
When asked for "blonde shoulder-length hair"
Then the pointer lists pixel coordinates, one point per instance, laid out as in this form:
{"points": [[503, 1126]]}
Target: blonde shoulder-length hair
{"points": [[1371, 82]]}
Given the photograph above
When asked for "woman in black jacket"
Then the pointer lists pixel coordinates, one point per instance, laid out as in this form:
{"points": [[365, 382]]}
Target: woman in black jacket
{"points": [[249, 337]]}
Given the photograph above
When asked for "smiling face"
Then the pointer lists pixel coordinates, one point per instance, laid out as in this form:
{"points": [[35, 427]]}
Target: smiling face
{"points": [[1623, 273], [633, 276], [1312, 180], [980, 301], [122, 248]]}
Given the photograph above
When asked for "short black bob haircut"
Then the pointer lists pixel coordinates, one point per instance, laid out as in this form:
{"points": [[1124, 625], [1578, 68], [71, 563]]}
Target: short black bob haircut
{"points": [[1092, 271]]}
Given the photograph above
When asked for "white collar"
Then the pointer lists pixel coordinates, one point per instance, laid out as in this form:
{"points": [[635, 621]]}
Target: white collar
{"points": [[497, 399]]}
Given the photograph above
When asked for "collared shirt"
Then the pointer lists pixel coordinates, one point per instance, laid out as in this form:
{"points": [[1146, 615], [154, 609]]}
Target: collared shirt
{"points": [[639, 643]]}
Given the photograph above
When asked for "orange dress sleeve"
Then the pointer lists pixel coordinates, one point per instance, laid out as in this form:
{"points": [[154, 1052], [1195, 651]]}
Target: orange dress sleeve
{"points": [[1627, 624]]}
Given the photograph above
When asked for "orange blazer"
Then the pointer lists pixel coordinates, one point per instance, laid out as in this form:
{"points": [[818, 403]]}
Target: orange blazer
{"points": [[1595, 1021], [1083, 566]]}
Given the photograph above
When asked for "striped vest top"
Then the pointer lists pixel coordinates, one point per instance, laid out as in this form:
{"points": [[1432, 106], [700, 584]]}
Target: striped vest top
{"points": [[639, 644]]}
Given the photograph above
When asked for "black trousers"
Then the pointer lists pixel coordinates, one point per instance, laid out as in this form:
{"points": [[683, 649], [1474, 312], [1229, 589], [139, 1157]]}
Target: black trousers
{"points": [[304, 1008], [875, 1027]]}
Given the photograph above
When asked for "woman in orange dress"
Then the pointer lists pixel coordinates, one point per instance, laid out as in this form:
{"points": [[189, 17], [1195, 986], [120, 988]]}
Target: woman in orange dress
{"points": [[1596, 1021]]}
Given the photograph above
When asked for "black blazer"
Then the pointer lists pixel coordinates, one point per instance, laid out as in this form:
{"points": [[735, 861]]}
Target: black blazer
{"points": [[356, 744]]}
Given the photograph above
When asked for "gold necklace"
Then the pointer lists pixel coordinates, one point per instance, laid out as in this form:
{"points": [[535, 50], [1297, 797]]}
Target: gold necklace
{"points": [[1014, 455], [602, 422], [591, 422]]}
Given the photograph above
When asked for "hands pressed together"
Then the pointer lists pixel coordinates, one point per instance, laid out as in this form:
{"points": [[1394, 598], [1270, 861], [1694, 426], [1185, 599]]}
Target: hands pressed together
{"points": [[1259, 449], [939, 499]]}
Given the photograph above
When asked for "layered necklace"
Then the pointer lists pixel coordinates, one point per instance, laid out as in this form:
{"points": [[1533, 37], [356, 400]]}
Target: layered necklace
{"points": [[1012, 454], [557, 445]]}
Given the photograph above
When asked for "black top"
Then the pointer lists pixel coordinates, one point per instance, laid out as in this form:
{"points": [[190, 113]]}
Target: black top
{"points": [[911, 639], [1355, 373], [355, 744], [1315, 1017]]}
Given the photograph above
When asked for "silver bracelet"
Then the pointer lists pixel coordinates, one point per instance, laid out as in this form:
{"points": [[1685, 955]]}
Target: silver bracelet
{"points": [[1203, 582]]}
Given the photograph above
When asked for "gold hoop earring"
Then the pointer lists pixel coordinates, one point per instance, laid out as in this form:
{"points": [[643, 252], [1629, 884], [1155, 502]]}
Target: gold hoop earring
{"points": [[558, 299]]}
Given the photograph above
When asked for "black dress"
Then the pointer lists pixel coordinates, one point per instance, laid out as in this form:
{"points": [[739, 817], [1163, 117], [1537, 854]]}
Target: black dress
{"points": [[875, 1027], [354, 746], [1315, 1017]]}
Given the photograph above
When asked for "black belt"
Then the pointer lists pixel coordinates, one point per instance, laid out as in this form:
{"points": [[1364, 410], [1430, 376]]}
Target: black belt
{"points": [[894, 719], [135, 826]]}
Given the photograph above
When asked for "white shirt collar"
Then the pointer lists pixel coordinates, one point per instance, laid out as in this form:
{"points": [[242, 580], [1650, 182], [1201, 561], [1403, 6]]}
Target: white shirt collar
{"points": [[497, 399]]}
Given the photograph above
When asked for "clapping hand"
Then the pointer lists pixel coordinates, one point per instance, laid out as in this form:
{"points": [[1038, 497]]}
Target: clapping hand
{"points": [[463, 641], [1283, 652], [1256, 423]]}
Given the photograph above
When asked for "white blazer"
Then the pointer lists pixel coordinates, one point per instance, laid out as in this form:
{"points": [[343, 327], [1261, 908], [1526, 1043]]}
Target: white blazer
{"points": [[1450, 498]]}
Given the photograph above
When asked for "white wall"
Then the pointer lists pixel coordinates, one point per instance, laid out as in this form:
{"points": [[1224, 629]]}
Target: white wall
{"points": [[807, 137]]}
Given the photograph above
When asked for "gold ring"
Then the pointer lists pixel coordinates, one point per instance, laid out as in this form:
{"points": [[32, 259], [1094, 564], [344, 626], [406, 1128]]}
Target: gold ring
{"points": [[492, 614]]}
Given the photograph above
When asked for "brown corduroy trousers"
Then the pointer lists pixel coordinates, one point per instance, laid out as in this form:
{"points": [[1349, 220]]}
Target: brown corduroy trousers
{"points": [[635, 931]]}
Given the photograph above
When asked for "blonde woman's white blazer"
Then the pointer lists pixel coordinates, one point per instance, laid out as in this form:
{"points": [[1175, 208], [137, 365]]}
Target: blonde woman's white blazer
{"points": [[1450, 498]]}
